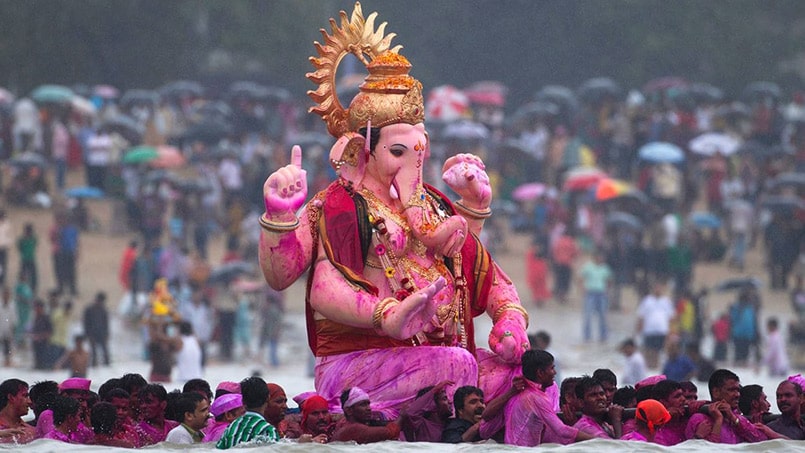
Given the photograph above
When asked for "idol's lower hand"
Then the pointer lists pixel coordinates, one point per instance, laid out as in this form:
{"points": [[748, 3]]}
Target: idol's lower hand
{"points": [[508, 338]]}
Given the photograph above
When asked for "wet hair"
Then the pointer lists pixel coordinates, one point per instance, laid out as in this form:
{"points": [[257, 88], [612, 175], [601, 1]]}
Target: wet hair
{"points": [[185, 328], [156, 390], [132, 381], [40, 389], [645, 392], [534, 360], [605, 375], [663, 389], [62, 408], [462, 393], [198, 385], [568, 387], [170, 408], [688, 386], [625, 396], [103, 417], [44, 402], [749, 394], [585, 384], [187, 402], [424, 390], [108, 386], [344, 396], [374, 137], [719, 378], [116, 393], [254, 391], [10, 387]]}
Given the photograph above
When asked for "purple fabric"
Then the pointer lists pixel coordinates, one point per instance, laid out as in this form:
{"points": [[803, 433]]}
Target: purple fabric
{"points": [[392, 376], [44, 424], [530, 419], [214, 430], [744, 432], [423, 429], [591, 427], [671, 433], [57, 435], [150, 435], [634, 435]]}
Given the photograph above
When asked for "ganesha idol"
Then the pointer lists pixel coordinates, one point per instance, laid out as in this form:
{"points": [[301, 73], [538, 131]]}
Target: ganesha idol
{"points": [[396, 272]]}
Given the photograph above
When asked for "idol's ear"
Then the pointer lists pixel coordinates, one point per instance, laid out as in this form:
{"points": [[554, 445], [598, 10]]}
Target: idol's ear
{"points": [[346, 156]]}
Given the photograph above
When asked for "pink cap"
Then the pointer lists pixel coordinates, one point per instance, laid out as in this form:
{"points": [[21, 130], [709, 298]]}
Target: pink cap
{"points": [[300, 398], [75, 383], [226, 403], [229, 386], [651, 380]]}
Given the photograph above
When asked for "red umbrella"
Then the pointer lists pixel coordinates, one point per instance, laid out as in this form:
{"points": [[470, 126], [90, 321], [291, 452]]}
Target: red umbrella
{"points": [[528, 191], [168, 157], [583, 178], [446, 103]]}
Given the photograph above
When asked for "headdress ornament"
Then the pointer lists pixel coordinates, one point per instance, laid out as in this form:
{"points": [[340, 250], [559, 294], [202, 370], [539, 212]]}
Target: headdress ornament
{"points": [[388, 95]]}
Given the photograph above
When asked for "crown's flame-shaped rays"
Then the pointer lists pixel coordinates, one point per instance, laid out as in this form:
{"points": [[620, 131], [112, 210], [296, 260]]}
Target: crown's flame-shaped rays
{"points": [[357, 36]]}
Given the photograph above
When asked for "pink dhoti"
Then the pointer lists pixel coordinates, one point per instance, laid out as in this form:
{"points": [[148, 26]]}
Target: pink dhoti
{"points": [[393, 376]]}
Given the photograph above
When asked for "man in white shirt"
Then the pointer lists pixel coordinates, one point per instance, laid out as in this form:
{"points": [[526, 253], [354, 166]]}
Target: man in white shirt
{"points": [[195, 410], [654, 316], [634, 369]]}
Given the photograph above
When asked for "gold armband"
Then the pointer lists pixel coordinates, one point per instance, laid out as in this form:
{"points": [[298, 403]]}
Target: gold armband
{"points": [[418, 199], [380, 308], [472, 213], [510, 307], [277, 227]]}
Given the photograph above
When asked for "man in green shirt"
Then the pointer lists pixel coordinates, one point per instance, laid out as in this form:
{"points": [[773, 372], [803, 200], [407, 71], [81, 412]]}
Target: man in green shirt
{"points": [[595, 277], [251, 426]]}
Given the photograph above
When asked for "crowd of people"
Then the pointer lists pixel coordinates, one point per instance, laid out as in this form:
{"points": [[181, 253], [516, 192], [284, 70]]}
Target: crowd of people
{"points": [[130, 412]]}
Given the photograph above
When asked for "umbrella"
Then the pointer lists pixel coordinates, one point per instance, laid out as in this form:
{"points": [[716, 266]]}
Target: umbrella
{"points": [[663, 84], [139, 96], [277, 94], [597, 88], [704, 92], [782, 203], [705, 220], [611, 188], [84, 192], [710, 143], [661, 152], [228, 271], [52, 94], [487, 92], [199, 185], [620, 219], [106, 92], [559, 95], [762, 90], [159, 175], [140, 154], [528, 191], [582, 178], [126, 126], [788, 179], [181, 88], [534, 110], [209, 132], [28, 159], [83, 106], [465, 130], [446, 103], [168, 157], [246, 89], [215, 111], [248, 286], [6, 97], [737, 283]]}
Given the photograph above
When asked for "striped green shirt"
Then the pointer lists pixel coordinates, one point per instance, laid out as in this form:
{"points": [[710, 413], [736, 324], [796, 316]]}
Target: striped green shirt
{"points": [[249, 427]]}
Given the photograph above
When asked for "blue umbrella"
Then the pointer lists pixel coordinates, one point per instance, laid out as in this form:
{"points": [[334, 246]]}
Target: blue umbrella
{"points": [[84, 192], [705, 220], [661, 152]]}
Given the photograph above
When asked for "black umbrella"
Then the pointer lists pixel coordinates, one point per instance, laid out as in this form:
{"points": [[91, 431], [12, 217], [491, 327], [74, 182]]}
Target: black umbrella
{"points": [[620, 219], [126, 126], [782, 203], [598, 88], [139, 97], [209, 132], [762, 90], [788, 179], [215, 111], [181, 88], [535, 110], [559, 95], [737, 283], [704, 92], [28, 159], [227, 272]]}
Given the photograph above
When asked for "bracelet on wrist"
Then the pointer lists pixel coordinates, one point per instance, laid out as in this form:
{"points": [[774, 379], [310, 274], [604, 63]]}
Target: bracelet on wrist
{"points": [[277, 227], [380, 308], [473, 213]]}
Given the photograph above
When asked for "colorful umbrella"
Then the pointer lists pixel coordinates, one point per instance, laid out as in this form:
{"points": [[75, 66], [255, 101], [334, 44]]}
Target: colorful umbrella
{"points": [[705, 220], [661, 152], [582, 178], [528, 191], [140, 154], [610, 188], [446, 103], [84, 192], [83, 106], [710, 143], [168, 157], [737, 283], [487, 92], [106, 92], [6, 97]]}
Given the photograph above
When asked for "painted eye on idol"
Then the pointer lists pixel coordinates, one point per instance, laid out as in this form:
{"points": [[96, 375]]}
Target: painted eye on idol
{"points": [[397, 151]]}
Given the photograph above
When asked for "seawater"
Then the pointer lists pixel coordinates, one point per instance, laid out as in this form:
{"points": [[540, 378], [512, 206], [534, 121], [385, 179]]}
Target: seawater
{"points": [[596, 445]]}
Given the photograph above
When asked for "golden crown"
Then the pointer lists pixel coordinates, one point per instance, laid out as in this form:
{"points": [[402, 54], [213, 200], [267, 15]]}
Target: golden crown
{"points": [[388, 95]]}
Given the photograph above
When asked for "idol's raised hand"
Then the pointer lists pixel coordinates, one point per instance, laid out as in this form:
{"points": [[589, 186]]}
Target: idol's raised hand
{"points": [[285, 190]]}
